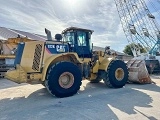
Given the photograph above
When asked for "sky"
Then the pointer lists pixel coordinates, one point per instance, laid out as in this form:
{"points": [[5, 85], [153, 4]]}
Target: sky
{"points": [[56, 15]]}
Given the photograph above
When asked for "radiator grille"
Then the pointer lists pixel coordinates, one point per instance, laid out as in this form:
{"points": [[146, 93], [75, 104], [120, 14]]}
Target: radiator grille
{"points": [[37, 57]]}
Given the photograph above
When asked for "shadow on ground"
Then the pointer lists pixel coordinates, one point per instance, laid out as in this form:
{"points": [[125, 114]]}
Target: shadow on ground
{"points": [[125, 99], [92, 102]]}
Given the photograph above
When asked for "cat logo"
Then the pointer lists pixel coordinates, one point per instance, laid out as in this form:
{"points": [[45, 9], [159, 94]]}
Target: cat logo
{"points": [[60, 48]]}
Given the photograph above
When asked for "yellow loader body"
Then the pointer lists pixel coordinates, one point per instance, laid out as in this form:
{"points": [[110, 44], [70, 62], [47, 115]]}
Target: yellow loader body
{"points": [[62, 65]]}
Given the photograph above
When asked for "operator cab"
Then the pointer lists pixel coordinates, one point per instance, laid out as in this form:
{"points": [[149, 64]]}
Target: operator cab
{"points": [[79, 41]]}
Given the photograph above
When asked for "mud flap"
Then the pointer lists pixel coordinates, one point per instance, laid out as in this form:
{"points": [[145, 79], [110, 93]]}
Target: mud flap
{"points": [[138, 72]]}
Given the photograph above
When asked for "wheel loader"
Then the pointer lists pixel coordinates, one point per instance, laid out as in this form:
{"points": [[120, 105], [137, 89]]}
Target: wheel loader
{"points": [[62, 63]]}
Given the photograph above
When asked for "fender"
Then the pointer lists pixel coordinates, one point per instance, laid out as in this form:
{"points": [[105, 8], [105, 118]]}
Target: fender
{"points": [[53, 59], [104, 62]]}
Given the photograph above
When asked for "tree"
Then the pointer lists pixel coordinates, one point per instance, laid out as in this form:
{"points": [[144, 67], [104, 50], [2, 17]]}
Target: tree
{"points": [[127, 50]]}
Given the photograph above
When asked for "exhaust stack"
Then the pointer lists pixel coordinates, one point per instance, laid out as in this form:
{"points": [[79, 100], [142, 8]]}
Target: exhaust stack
{"points": [[49, 36]]}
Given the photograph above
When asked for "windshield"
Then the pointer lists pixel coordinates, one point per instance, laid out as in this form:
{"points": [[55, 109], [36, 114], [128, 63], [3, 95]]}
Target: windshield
{"points": [[69, 37]]}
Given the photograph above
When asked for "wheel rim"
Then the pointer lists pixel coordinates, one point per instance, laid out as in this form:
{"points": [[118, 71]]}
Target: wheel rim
{"points": [[119, 74], [66, 80]]}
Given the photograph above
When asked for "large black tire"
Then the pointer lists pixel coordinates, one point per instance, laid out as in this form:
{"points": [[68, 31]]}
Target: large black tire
{"points": [[111, 78], [54, 80], [149, 70]]}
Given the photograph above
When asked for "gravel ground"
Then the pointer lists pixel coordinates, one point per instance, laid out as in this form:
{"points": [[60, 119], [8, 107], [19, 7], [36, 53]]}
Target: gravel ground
{"points": [[92, 102]]}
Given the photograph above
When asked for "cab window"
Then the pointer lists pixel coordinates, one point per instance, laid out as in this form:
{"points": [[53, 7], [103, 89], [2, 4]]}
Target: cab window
{"points": [[69, 37], [81, 38]]}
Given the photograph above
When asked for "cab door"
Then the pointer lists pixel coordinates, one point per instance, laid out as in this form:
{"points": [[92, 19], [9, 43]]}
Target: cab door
{"points": [[83, 47]]}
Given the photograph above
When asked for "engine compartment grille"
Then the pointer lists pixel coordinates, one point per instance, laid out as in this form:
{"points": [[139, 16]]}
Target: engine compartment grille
{"points": [[37, 57]]}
